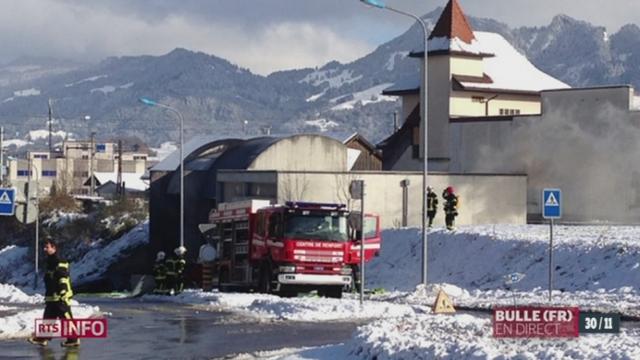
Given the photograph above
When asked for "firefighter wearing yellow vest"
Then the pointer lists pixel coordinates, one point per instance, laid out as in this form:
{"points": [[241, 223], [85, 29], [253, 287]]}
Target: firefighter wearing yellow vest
{"points": [[160, 274], [451, 204], [58, 291], [175, 271], [432, 205]]}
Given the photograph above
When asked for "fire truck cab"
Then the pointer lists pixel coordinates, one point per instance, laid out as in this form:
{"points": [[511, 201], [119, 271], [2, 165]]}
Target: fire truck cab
{"points": [[288, 248]]}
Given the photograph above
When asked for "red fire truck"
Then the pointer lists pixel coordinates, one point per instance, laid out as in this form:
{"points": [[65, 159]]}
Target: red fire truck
{"points": [[289, 248]]}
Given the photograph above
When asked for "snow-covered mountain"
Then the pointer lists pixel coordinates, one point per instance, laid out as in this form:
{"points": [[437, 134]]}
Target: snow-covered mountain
{"points": [[217, 96]]}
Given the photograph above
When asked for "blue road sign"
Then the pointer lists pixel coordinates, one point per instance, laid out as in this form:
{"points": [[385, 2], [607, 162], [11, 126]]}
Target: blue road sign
{"points": [[7, 201], [551, 203]]}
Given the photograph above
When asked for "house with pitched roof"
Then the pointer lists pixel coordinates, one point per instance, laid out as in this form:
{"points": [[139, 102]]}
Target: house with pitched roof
{"points": [[471, 74]]}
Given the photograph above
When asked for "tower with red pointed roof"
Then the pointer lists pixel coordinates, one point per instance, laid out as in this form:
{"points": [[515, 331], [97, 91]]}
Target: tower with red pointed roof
{"points": [[471, 74]]}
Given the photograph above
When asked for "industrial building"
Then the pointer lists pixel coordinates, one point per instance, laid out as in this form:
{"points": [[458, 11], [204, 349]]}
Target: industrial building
{"points": [[73, 166], [492, 111], [310, 168]]}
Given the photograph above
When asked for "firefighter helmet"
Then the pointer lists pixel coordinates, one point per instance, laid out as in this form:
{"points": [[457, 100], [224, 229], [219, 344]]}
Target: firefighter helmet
{"points": [[429, 188], [450, 190], [160, 256], [180, 251]]}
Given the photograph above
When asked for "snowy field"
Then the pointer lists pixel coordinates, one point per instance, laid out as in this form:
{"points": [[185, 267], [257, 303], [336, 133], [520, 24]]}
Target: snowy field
{"points": [[19, 311], [271, 307], [597, 267]]}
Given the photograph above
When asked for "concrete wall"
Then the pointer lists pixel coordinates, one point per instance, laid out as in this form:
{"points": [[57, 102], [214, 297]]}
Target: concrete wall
{"points": [[584, 143], [303, 153], [485, 199], [467, 66]]}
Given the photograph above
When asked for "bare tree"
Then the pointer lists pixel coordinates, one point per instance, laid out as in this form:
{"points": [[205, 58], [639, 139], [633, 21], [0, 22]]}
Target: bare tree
{"points": [[295, 187]]}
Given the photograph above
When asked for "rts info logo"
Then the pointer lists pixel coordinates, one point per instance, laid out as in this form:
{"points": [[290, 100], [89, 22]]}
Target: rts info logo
{"points": [[71, 328]]}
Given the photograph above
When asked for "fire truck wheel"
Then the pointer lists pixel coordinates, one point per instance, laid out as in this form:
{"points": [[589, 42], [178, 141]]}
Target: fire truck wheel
{"points": [[331, 292], [287, 293]]}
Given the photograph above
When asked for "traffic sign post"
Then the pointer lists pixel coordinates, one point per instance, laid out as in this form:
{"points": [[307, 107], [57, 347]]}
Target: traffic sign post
{"points": [[551, 210], [7, 201]]}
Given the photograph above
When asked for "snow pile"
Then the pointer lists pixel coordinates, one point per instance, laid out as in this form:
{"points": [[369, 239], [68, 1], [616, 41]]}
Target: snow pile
{"points": [[365, 97], [20, 324], [479, 257], [299, 309], [60, 219], [596, 267], [20, 319], [14, 266], [10, 294], [97, 261], [464, 336]]}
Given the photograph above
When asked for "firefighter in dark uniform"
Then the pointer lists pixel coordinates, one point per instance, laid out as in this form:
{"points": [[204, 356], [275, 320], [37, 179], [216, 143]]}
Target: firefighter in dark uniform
{"points": [[451, 202], [432, 205], [160, 274], [175, 271], [58, 291]]}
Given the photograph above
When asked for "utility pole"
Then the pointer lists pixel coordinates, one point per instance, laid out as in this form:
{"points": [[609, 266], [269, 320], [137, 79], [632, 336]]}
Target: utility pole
{"points": [[91, 157], [1, 155], [119, 187], [50, 128]]}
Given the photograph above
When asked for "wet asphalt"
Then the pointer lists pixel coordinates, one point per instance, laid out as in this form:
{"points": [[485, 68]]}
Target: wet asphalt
{"points": [[143, 329]]}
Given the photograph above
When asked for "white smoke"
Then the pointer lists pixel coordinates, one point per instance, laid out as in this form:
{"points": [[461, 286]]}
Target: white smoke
{"points": [[593, 157]]}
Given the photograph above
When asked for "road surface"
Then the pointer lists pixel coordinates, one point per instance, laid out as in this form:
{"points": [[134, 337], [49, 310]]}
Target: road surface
{"points": [[156, 330]]}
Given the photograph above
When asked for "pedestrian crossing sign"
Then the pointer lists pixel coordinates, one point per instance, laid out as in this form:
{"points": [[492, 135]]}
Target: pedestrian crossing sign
{"points": [[7, 201], [551, 203]]}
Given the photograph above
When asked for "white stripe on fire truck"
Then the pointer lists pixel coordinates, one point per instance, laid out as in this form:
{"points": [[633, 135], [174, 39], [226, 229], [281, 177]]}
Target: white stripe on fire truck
{"points": [[366, 246], [317, 259], [274, 243], [316, 252]]}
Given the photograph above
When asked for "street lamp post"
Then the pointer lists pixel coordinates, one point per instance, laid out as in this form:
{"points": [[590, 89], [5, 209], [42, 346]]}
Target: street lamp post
{"points": [[423, 114], [150, 102], [37, 203]]}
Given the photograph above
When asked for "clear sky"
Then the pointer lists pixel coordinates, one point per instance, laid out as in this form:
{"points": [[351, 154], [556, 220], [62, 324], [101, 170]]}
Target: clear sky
{"points": [[262, 35]]}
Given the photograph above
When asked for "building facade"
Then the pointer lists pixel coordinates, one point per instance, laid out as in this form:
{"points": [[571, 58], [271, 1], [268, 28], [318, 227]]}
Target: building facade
{"points": [[71, 168]]}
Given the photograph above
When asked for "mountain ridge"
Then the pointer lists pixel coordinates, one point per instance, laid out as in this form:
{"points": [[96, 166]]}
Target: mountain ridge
{"points": [[218, 96]]}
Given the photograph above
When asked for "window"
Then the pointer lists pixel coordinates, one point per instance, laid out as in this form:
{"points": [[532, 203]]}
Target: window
{"points": [[85, 157], [49, 173], [24, 173], [509, 112], [415, 151], [260, 224], [307, 225], [139, 158], [275, 226], [101, 148], [40, 156], [477, 99]]}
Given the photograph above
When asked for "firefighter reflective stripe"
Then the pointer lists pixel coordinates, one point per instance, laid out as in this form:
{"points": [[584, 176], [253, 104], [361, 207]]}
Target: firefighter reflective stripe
{"points": [[63, 264], [52, 298]]}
